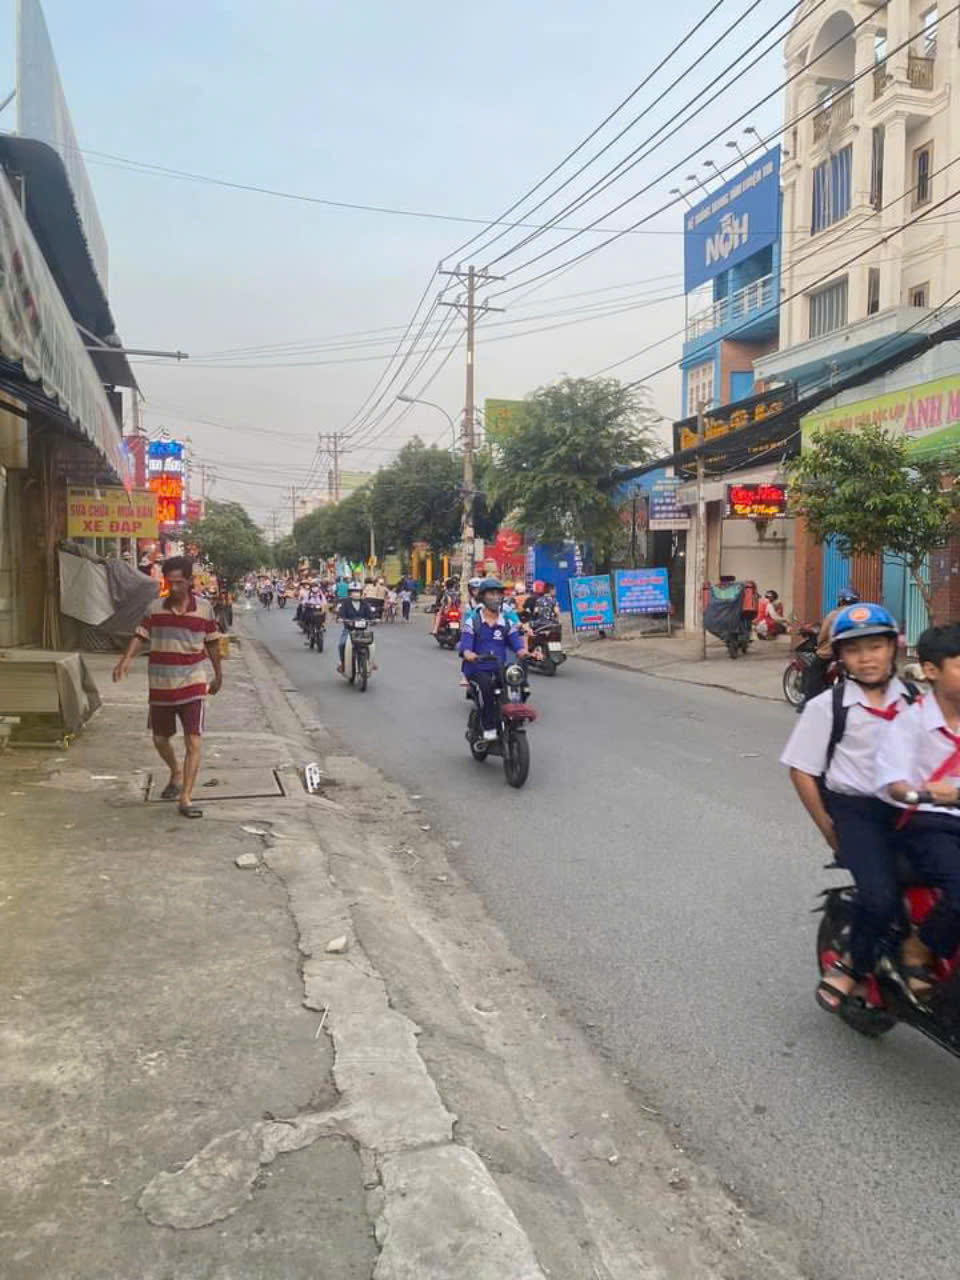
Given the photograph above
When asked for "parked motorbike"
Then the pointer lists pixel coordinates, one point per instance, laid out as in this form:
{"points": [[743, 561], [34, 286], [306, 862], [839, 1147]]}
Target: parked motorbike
{"points": [[513, 715], [358, 652], [795, 672], [729, 611], [888, 999], [545, 646], [448, 628]]}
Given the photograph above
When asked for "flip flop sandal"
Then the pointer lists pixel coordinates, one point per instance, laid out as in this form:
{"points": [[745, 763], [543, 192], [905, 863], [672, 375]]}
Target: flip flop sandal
{"points": [[170, 791], [190, 811], [830, 998], [917, 973]]}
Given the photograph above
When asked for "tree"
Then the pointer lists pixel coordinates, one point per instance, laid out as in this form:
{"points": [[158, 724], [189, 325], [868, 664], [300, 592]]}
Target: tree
{"points": [[553, 463], [864, 489], [417, 498], [284, 554], [228, 540]]}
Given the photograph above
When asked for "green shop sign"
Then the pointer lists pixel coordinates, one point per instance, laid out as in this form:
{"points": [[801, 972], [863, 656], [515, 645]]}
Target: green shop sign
{"points": [[928, 414]]}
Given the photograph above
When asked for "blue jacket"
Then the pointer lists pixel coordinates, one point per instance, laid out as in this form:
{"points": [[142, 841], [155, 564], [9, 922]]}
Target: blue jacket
{"points": [[479, 636]]}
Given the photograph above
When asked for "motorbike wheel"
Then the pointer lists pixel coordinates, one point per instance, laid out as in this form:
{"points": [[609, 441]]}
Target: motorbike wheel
{"points": [[320, 641], [547, 665], [733, 647], [362, 671], [478, 748], [516, 757], [834, 935], [794, 678]]}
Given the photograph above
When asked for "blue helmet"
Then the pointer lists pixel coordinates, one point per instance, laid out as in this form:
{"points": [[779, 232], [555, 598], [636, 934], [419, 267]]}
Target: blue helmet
{"points": [[862, 620], [848, 595], [488, 584]]}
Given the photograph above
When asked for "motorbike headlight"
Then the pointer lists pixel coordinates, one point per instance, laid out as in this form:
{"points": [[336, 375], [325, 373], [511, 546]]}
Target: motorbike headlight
{"points": [[514, 674]]}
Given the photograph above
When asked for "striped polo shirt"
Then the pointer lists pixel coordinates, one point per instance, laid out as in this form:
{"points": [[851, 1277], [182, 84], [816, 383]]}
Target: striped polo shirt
{"points": [[177, 653]]}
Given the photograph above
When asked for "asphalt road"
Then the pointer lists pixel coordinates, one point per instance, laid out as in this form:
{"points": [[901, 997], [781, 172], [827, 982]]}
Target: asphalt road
{"points": [[657, 874]]}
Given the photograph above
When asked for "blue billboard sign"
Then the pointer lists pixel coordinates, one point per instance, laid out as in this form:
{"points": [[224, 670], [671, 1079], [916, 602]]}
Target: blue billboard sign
{"points": [[734, 222], [642, 591], [591, 603]]}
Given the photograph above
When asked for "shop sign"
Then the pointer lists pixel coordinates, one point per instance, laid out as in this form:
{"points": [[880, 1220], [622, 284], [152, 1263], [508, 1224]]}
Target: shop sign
{"points": [[665, 509], [731, 417], [111, 513], [734, 222], [642, 590], [169, 491], [928, 414], [591, 603], [760, 501]]}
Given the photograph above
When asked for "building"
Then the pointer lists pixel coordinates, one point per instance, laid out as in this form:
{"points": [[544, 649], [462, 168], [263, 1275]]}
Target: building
{"points": [[870, 248]]}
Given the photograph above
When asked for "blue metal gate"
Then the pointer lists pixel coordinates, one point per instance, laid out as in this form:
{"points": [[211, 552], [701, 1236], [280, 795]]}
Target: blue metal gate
{"points": [[917, 615], [836, 574], [895, 586]]}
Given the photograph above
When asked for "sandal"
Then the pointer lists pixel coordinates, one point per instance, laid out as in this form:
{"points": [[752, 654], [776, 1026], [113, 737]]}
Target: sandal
{"points": [[190, 811], [829, 997], [170, 791], [917, 973]]}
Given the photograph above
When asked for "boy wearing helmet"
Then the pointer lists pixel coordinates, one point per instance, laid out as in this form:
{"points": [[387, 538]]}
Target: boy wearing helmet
{"points": [[831, 755], [487, 631]]}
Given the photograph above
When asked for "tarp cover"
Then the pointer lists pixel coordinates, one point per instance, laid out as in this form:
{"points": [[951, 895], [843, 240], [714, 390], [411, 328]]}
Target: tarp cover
{"points": [[108, 594], [722, 614], [45, 682]]}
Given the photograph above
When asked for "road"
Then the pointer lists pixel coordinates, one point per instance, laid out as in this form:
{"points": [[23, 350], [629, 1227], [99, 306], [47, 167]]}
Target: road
{"points": [[657, 875]]}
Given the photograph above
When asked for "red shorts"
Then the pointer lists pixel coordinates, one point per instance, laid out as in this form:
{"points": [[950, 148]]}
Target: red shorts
{"points": [[162, 720]]}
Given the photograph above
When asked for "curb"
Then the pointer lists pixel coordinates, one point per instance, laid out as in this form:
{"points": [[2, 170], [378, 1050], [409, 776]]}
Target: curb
{"points": [[655, 674]]}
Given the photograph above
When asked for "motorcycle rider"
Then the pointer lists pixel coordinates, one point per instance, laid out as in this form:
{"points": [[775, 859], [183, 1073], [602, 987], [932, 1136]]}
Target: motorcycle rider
{"points": [[314, 603], [831, 755], [350, 610], [816, 677], [487, 631]]}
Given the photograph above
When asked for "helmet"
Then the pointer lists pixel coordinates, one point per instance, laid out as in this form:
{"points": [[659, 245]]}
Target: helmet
{"points": [[488, 584], [770, 595], [538, 587], [474, 583], [355, 588], [848, 595], [862, 620]]}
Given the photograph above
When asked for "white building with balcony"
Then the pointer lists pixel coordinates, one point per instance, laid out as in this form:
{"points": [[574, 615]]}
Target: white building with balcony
{"points": [[878, 145]]}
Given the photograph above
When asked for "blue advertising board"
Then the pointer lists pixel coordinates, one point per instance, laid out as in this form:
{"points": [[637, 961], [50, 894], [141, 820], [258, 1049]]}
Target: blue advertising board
{"points": [[734, 222], [642, 591], [591, 603]]}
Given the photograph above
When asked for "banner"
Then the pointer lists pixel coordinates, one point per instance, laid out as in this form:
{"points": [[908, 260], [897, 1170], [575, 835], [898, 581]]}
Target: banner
{"points": [[591, 603], [665, 510], [929, 414], [111, 513], [642, 590], [734, 222]]}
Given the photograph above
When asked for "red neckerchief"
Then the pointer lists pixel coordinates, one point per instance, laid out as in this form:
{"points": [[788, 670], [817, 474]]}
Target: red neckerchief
{"points": [[885, 713], [942, 770]]}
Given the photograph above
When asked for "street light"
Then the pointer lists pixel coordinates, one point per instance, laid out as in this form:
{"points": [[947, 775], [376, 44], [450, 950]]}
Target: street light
{"points": [[693, 177], [675, 191], [439, 407], [759, 137], [733, 144]]}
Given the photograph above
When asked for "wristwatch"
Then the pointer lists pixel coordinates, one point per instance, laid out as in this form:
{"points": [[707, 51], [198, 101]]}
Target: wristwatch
{"points": [[912, 797]]}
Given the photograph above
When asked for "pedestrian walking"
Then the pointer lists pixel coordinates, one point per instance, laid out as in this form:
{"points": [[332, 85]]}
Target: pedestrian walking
{"points": [[183, 634], [406, 598]]}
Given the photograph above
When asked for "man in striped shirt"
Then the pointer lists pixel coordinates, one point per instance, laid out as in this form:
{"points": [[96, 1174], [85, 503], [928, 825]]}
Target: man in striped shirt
{"points": [[183, 635]]}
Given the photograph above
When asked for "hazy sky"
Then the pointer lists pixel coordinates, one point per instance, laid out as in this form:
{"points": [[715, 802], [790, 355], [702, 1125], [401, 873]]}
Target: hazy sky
{"points": [[438, 107]]}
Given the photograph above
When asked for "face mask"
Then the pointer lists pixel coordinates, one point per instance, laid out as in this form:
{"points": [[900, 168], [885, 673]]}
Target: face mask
{"points": [[492, 602]]}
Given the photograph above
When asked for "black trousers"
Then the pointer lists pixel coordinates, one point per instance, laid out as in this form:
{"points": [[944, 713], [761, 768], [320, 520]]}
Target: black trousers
{"points": [[932, 847], [484, 683], [815, 679], [866, 834]]}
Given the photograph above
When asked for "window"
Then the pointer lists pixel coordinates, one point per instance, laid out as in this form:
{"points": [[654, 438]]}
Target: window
{"points": [[880, 47], [922, 174], [928, 29], [831, 190], [919, 294], [699, 386], [876, 167], [873, 291], [828, 308]]}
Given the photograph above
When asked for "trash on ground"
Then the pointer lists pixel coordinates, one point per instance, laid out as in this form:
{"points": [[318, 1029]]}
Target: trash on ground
{"points": [[336, 946]]}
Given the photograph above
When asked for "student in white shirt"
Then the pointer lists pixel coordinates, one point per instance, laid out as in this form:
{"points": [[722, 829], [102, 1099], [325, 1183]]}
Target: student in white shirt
{"points": [[918, 767], [831, 755]]}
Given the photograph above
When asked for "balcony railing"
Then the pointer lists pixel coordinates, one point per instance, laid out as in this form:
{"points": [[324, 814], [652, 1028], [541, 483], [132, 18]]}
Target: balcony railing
{"points": [[739, 306], [919, 76], [837, 114]]}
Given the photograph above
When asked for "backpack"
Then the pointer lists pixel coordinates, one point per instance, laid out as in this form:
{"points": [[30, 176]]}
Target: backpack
{"points": [[840, 713]]}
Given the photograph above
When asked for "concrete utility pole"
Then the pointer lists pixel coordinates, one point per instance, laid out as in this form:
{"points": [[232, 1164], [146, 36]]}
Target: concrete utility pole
{"points": [[700, 569], [333, 444], [293, 506], [273, 518], [468, 309]]}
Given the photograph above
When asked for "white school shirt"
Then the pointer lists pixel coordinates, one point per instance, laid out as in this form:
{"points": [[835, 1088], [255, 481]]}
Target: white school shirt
{"points": [[853, 767], [913, 749]]}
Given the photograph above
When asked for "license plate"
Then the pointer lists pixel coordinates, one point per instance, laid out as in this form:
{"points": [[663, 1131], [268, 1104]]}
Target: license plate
{"points": [[454, 626], [555, 646], [359, 626]]}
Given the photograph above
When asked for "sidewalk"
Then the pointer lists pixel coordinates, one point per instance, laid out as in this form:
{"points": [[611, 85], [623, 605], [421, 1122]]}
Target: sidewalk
{"points": [[758, 673]]}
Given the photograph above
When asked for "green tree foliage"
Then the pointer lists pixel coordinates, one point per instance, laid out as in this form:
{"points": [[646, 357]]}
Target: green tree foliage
{"points": [[864, 489], [553, 463], [417, 497], [284, 554], [341, 529], [228, 540]]}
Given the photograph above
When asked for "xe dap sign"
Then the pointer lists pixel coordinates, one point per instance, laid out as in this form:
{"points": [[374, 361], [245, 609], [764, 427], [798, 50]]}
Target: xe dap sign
{"points": [[111, 513]]}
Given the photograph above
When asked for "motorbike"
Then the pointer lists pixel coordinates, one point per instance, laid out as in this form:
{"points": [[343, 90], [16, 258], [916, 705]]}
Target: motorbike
{"points": [[888, 999], [729, 611], [315, 628], [448, 628], [512, 691], [546, 646], [795, 672], [358, 652], [281, 601]]}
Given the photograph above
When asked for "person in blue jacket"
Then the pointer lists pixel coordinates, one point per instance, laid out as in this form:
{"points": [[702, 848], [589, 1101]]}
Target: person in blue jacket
{"points": [[487, 631]]}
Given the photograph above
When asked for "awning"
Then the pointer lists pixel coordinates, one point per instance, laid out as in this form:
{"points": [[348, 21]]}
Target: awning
{"points": [[40, 343]]}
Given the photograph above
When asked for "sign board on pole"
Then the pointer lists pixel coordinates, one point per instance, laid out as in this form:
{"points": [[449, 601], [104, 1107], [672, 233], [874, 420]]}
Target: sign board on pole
{"points": [[111, 513], [665, 511], [591, 603], [734, 222], [642, 591]]}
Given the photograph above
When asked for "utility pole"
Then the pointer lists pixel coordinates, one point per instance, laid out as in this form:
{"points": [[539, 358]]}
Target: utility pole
{"points": [[273, 518], [469, 310], [293, 506], [335, 450], [700, 570]]}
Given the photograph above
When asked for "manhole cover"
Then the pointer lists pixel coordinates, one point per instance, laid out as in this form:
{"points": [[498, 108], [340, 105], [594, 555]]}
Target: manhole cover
{"points": [[227, 784]]}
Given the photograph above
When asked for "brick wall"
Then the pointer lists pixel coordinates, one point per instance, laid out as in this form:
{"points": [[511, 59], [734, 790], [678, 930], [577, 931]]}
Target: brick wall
{"points": [[807, 573], [945, 581]]}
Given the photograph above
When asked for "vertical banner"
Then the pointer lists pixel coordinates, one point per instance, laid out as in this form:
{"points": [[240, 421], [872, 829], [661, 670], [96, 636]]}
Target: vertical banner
{"points": [[591, 603]]}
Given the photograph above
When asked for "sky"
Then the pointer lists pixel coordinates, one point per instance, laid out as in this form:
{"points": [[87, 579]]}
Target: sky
{"points": [[290, 309]]}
